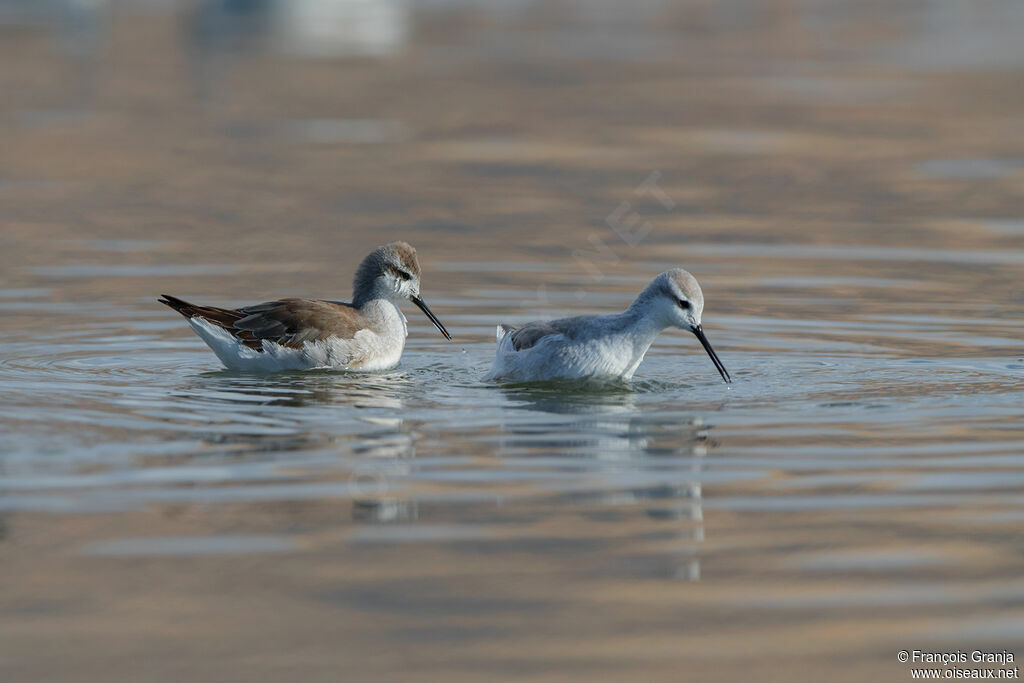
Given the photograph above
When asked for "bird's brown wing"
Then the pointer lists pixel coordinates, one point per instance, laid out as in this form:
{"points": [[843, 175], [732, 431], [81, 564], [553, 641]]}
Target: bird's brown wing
{"points": [[288, 322]]}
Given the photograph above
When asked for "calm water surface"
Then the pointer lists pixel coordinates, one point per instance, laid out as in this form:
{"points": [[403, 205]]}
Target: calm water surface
{"points": [[856, 490]]}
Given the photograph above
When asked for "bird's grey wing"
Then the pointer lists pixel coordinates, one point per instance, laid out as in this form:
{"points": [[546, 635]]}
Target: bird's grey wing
{"points": [[531, 334], [293, 322]]}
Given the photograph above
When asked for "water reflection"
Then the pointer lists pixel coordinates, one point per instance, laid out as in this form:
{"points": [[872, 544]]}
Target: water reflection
{"points": [[335, 28], [186, 546], [79, 34], [380, 449], [385, 510], [872, 442], [298, 389], [621, 456], [221, 33]]}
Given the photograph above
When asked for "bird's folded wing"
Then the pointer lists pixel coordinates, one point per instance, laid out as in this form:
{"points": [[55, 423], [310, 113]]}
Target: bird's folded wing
{"points": [[288, 322], [293, 322], [529, 334]]}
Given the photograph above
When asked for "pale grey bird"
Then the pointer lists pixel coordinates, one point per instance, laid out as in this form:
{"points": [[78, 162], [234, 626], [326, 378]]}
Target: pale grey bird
{"points": [[603, 346]]}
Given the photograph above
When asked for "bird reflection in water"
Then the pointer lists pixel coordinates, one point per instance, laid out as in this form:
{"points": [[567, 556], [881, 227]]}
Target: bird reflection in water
{"points": [[624, 457]]}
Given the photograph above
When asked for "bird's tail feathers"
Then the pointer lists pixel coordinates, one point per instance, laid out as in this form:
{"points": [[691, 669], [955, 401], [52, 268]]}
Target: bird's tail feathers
{"points": [[502, 330]]}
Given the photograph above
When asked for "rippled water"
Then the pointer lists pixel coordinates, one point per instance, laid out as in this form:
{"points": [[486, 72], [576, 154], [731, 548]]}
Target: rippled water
{"points": [[856, 490]]}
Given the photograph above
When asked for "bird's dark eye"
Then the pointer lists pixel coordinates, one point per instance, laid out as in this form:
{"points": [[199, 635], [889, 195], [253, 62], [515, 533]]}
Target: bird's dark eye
{"points": [[684, 304], [401, 273]]}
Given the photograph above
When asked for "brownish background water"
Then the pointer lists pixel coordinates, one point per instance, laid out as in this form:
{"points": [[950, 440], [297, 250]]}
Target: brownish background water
{"points": [[845, 179]]}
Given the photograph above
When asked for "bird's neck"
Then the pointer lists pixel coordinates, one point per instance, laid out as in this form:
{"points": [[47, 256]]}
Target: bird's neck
{"points": [[645, 315], [642, 324], [365, 293]]}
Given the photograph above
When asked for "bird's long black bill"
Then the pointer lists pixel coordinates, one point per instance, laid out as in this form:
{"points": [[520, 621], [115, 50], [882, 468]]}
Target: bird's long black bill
{"points": [[433, 318], [699, 332]]}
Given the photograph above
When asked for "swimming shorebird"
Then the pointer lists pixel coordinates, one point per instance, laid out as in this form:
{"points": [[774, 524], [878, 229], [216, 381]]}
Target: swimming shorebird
{"points": [[603, 346], [296, 334]]}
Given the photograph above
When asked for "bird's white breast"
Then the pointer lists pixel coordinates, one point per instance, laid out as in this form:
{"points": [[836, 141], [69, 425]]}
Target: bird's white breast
{"points": [[380, 345]]}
